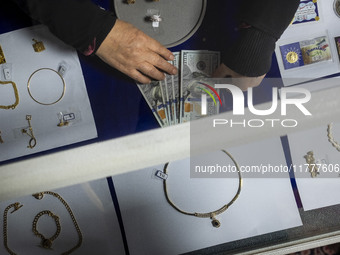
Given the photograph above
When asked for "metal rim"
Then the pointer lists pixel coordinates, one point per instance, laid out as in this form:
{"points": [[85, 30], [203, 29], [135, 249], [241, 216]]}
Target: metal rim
{"points": [[190, 34]]}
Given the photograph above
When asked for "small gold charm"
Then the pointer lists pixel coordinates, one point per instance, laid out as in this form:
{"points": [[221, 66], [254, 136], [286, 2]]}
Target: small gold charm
{"points": [[2, 56], [38, 196], [16, 206], [29, 131], [62, 122], [131, 1], [38, 46], [312, 166]]}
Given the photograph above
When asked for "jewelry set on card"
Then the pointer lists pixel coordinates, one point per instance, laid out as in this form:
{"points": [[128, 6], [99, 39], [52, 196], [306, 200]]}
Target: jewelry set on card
{"points": [[6, 68], [46, 242]]}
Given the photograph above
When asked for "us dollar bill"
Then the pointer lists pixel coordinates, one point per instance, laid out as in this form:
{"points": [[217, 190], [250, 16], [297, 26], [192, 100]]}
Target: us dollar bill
{"points": [[173, 89], [196, 67], [153, 95]]}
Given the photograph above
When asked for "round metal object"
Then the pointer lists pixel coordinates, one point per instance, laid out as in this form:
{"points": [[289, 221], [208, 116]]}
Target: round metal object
{"points": [[179, 19], [44, 79], [336, 7]]}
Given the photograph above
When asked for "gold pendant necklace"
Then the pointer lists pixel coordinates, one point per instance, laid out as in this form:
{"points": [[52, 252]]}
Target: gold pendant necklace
{"points": [[212, 215]]}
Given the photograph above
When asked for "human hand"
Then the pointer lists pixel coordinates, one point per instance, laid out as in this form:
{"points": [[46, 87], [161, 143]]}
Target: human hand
{"points": [[243, 82], [135, 54]]}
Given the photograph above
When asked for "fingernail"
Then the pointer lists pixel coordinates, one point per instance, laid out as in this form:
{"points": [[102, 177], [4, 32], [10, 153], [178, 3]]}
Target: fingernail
{"points": [[174, 71], [171, 57]]}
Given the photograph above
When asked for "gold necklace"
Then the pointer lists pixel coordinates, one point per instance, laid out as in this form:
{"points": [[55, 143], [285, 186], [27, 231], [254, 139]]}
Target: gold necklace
{"points": [[216, 223], [16, 207], [46, 242], [334, 143], [16, 94], [40, 196]]}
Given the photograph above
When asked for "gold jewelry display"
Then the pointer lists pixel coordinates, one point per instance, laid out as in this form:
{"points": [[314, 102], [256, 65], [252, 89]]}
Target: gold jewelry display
{"points": [[46, 242], [312, 166], [32, 142], [16, 94], [16, 207], [29, 83], [38, 46], [40, 196], [334, 143], [1, 141], [216, 223]]}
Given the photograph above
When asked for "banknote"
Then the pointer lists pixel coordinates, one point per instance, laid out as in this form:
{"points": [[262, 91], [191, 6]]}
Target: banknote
{"points": [[174, 89], [196, 67], [153, 96]]}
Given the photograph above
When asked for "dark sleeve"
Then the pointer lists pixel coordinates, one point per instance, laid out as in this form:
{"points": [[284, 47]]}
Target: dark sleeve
{"points": [[79, 23], [261, 23]]}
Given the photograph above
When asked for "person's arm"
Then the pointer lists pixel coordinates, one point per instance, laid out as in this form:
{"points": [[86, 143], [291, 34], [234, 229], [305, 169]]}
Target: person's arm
{"points": [[261, 23], [92, 30]]}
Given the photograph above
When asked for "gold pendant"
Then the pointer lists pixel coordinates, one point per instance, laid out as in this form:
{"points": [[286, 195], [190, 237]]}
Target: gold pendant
{"points": [[38, 46]]}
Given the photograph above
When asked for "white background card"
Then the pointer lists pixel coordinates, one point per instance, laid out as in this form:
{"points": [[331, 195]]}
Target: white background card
{"points": [[154, 227], [92, 206]]}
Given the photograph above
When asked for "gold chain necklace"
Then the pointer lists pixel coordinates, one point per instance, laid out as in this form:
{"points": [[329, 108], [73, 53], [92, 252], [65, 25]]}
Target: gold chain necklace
{"points": [[16, 207], [40, 196], [46, 242], [216, 223], [335, 144], [16, 94]]}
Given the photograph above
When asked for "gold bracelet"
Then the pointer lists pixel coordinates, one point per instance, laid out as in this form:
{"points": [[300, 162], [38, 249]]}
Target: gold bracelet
{"points": [[40, 196], [216, 223], [16, 207], [29, 83], [46, 242], [334, 143], [16, 94]]}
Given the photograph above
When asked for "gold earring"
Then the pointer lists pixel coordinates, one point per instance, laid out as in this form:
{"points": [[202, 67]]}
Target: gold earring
{"points": [[29, 131]]}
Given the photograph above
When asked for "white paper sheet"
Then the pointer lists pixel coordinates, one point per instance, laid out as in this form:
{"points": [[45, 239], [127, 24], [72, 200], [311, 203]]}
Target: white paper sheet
{"points": [[322, 190], [93, 209], [19, 53], [153, 227]]}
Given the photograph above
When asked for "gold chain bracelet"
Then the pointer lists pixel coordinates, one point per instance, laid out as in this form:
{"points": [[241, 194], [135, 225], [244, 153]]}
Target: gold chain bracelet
{"points": [[46, 242], [334, 143], [40, 196], [216, 223], [16, 94], [16, 207]]}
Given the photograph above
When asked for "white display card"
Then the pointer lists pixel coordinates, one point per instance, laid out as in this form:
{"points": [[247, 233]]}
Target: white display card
{"points": [[46, 86], [322, 190], [325, 23], [153, 226], [93, 209]]}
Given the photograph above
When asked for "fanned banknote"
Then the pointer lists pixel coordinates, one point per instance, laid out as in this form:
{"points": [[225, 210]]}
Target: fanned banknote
{"points": [[153, 96], [195, 67]]}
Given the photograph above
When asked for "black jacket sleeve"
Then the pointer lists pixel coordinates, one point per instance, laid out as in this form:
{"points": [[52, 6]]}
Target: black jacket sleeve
{"points": [[79, 23], [261, 23]]}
